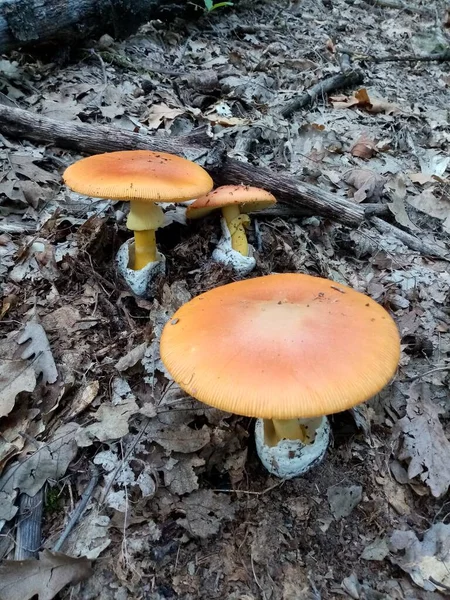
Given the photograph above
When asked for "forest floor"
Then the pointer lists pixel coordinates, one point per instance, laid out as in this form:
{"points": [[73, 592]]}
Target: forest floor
{"points": [[182, 508]]}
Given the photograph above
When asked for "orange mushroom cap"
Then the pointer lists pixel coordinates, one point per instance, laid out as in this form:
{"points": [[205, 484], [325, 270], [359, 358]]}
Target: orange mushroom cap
{"points": [[281, 347], [248, 198], [138, 175]]}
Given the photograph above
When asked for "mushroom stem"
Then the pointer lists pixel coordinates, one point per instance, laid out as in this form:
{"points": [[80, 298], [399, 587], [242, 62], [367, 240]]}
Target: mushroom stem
{"points": [[276, 430], [144, 248], [144, 218], [235, 225]]}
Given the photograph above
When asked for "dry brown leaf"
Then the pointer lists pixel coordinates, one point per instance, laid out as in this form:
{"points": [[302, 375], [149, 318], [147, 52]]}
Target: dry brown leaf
{"points": [[35, 346], [432, 205], [426, 561], [15, 376], [362, 100], [397, 185], [204, 512], [364, 147], [369, 185], [161, 113], [425, 446], [112, 423], [179, 473], [132, 357], [50, 461], [23, 579]]}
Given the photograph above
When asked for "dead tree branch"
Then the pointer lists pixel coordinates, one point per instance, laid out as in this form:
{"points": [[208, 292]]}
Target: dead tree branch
{"points": [[348, 78], [94, 139]]}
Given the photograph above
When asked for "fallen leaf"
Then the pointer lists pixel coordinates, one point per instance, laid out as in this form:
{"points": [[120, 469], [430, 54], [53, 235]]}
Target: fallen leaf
{"points": [[131, 358], [343, 499], [204, 512], [37, 348], [161, 113], [83, 398], [432, 205], [426, 561], [425, 446], [433, 162], [112, 423], [397, 185], [369, 185], [46, 577], [362, 100], [376, 550], [179, 474], [15, 376], [364, 147], [50, 461]]}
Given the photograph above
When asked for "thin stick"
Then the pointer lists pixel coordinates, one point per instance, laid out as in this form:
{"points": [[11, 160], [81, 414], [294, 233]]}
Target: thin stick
{"points": [[411, 241], [435, 370], [250, 492], [349, 78], [79, 509]]}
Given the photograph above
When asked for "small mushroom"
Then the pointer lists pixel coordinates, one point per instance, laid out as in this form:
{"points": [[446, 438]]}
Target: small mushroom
{"points": [[143, 178], [288, 349], [235, 201]]}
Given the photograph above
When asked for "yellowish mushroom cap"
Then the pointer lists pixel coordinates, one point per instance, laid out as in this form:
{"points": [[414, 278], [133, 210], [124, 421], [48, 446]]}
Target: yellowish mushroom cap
{"points": [[248, 198], [138, 175], [281, 347]]}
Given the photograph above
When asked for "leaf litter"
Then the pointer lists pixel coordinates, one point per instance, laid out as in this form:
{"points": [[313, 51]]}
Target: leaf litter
{"points": [[179, 480]]}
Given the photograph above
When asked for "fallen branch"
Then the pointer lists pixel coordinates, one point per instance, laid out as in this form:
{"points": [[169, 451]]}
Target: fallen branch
{"points": [[436, 57], [399, 5], [409, 240], [94, 139], [348, 78], [29, 521]]}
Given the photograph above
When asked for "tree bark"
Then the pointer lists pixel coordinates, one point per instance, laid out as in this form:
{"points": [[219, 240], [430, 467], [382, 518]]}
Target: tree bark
{"points": [[94, 139], [32, 22]]}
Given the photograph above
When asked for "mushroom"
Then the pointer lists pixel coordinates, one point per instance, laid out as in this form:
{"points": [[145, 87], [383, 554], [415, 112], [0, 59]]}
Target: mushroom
{"points": [[235, 201], [143, 178], [288, 349]]}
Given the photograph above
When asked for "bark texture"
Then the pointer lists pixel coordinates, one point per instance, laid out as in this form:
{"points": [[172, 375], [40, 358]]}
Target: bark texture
{"points": [[32, 22], [94, 139]]}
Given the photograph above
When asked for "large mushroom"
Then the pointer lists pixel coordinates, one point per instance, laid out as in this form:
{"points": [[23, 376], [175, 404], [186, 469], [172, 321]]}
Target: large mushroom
{"points": [[288, 349], [143, 178], [235, 202]]}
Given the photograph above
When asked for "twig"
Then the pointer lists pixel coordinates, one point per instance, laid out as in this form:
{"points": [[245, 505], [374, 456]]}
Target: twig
{"points": [[79, 509], [28, 536], [347, 78], [435, 370], [196, 146], [437, 56], [398, 4], [250, 492], [133, 445], [410, 240]]}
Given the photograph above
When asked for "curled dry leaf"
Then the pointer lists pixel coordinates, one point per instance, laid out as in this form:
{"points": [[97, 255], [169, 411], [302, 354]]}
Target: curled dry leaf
{"points": [[362, 100], [426, 561], [24, 579], [364, 147], [425, 446]]}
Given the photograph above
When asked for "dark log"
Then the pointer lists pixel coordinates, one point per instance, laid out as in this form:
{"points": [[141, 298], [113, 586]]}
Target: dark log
{"points": [[94, 139], [32, 22]]}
